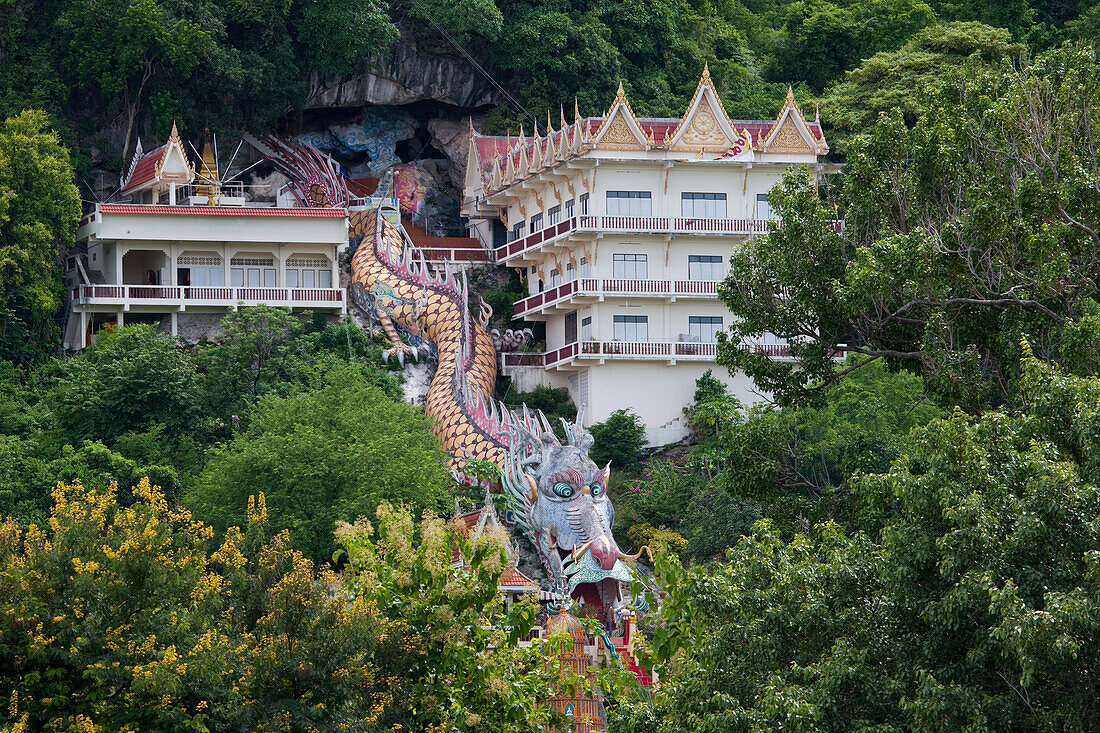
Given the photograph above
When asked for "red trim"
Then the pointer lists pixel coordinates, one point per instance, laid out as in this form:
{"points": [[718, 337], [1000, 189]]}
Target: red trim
{"points": [[221, 211]]}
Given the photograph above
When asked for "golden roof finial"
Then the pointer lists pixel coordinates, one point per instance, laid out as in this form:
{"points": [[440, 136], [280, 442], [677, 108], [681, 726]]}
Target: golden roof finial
{"points": [[790, 96], [174, 136], [576, 110], [549, 127], [620, 96], [706, 72], [562, 107]]}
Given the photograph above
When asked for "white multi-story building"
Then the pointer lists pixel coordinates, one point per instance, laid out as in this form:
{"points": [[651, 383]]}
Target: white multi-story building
{"points": [[623, 227], [184, 252]]}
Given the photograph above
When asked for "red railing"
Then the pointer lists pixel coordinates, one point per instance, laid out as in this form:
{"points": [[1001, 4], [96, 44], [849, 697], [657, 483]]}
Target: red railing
{"points": [[695, 287], [569, 351], [213, 295], [524, 359], [650, 224], [316, 295], [591, 286], [152, 292], [208, 293], [691, 348]]}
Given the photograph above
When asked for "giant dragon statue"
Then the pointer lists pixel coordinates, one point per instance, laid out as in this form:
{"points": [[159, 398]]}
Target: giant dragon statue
{"points": [[557, 493]]}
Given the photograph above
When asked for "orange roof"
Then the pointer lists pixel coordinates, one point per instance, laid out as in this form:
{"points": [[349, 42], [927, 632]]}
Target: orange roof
{"points": [[565, 621], [221, 211]]}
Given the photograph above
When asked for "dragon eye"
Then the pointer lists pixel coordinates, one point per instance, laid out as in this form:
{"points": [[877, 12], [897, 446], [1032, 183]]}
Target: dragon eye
{"points": [[596, 489], [563, 489]]}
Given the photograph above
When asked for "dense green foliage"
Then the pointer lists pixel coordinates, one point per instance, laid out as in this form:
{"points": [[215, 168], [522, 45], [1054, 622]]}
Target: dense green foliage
{"points": [[967, 601], [965, 233], [618, 439], [335, 451], [39, 208]]}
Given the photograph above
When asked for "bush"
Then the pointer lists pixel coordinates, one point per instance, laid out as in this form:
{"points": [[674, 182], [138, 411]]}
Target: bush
{"points": [[618, 439]]}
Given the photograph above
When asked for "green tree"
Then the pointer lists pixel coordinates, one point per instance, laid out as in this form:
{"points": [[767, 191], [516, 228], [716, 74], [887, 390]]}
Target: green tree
{"points": [[39, 208], [618, 439], [973, 229], [129, 380], [465, 669], [799, 462], [968, 602], [904, 78], [328, 452]]}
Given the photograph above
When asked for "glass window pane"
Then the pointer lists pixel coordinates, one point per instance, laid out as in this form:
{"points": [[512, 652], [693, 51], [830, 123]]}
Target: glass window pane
{"points": [[269, 277], [198, 277], [215, 277], [325, 277], [309, 278], [292, 278], [236, 277], [253, 277]]}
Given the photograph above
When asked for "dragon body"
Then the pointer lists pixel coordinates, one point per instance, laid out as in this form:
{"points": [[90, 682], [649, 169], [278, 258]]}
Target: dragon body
{"points": [[557, 494]]}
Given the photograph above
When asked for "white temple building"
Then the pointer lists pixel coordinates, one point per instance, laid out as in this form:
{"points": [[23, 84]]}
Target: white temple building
{"points": [[187, 249], [622, 227]]}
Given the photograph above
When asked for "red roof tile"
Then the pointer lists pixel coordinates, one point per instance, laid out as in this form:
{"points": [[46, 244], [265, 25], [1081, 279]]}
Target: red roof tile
{"points": [[222, 211], [145, 168], [512, 576]]}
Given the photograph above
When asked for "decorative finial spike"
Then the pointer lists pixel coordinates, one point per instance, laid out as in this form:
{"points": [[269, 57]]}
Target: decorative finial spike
{"points": [[790, 96], [470, 119], [706, 71], [620, 96], [576, 110], [562, 107]]}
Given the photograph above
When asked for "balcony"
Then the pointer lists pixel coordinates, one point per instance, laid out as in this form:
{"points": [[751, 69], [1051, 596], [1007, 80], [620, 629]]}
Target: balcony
{"points": [[670, 351], [592, 287], [637, 225], [181, 297]]}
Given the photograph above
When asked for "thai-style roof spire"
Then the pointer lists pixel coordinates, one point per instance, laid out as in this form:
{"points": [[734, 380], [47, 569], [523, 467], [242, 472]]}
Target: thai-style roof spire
{"points": [[706, 72], [620, 96], [562, 124], [497, 178], [524, 162], [790, 97], [174, 136]]}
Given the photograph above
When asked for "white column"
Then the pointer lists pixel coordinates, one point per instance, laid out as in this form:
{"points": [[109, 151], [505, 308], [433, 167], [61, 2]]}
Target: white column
{"points": [[82, 340], [172, 318], [119, 319], [172, 196], [281, 253], [335, 267]]}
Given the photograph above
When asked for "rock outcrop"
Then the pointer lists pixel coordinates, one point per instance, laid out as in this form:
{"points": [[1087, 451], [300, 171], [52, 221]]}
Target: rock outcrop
{"points": [[404, 77]]}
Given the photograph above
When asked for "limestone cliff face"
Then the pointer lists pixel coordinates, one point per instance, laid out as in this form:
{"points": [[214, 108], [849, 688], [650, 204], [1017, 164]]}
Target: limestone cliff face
{"points": [[404, 77]]}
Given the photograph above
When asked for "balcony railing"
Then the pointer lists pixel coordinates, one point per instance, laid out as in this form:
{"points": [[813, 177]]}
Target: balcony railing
{"points": [[182, 296], [647, 350], [639, 225], [601, 287]]}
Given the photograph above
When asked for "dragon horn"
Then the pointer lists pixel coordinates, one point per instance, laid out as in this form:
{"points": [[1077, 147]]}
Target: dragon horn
{"points": [[636, 555], [584, 548]]}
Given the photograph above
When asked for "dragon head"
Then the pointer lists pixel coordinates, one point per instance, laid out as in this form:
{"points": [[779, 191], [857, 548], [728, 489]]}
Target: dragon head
{"points": [[561, 498]]}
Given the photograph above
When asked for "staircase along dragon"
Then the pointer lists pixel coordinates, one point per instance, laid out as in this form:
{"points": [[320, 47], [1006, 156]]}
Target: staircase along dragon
{"points": [[558, 495]]}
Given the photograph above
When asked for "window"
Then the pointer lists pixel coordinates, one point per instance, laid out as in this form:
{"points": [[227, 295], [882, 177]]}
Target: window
{"points": [[253, 278], [308, 272], [586, 270], [763, 208], [570, 272], [269, 277], [632, 328], [200, 271], [536, 223], [571, 328], [553, 216], [629, 203], [584, 204], [570, 208], [705, 328], [703, 205], [631, 267], [555, 278], [705, 267], [586, 328], [236, 277]]}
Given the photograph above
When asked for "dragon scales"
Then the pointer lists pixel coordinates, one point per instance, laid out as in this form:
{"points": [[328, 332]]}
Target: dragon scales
{"points": [[559, 496]]}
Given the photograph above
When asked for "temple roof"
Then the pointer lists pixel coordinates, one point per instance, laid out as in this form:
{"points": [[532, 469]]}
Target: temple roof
{"points": [[500, 161], [567, 623], [169, 162]]}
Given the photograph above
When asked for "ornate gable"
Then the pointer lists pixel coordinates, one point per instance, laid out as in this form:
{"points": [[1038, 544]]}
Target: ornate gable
{"points": [[705, 125], [620, 129], [790, 133], [174, 165]]}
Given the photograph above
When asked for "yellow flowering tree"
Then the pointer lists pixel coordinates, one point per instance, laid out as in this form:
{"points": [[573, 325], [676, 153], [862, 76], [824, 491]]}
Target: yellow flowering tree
{"points": [[127, 618], [465, 668]]}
